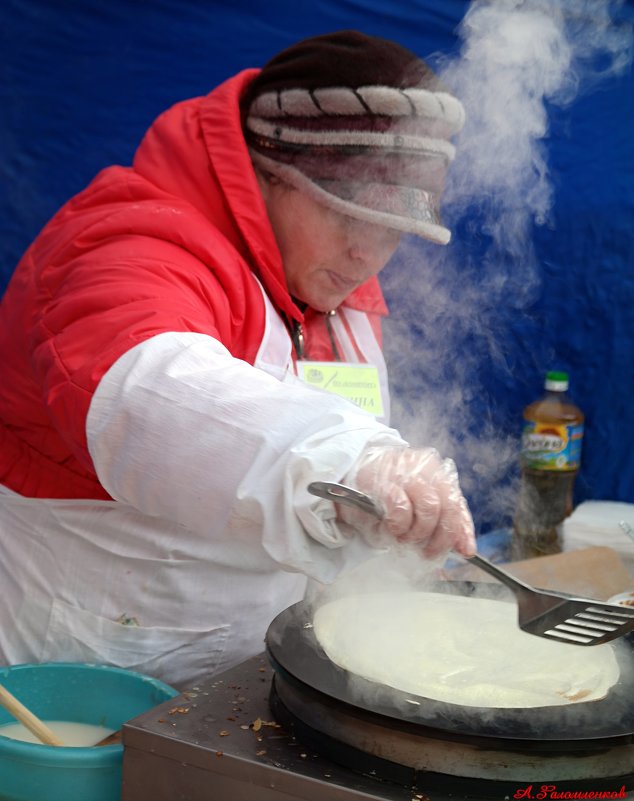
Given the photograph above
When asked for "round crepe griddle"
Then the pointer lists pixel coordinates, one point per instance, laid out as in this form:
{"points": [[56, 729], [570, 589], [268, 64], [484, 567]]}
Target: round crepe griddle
{"points": [[296, 654]]}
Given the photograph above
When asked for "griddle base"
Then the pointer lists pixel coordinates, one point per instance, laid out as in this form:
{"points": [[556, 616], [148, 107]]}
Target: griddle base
{"points": [[369, 764]]}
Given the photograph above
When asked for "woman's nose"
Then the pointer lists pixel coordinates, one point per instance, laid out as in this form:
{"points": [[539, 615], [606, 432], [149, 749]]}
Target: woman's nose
{"points": [[372, 244]]}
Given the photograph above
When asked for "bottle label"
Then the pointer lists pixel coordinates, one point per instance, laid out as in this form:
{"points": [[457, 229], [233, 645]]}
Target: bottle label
{"points": [[548, 446]]}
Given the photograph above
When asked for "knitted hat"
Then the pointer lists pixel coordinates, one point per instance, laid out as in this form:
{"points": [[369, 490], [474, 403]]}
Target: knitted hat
{"points": [[359, 123]]}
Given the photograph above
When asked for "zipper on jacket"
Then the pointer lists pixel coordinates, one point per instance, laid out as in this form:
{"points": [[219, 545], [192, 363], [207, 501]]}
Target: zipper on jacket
{"points": [[297, 338], [331, 335], [299, 341]]}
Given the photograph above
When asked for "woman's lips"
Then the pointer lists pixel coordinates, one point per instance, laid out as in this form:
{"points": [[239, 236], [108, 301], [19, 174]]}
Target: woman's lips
{"points": [[342, 282]]}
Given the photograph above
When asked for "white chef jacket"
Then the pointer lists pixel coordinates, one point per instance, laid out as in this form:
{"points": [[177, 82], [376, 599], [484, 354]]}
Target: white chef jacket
{"points": [[180, 575]]}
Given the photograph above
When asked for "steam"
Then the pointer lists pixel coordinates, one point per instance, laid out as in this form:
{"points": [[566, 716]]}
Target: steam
{"points": [[520, 61], [517, 57]]}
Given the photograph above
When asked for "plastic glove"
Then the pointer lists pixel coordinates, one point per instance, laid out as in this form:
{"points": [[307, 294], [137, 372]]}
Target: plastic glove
{"points": [[420, 495]]}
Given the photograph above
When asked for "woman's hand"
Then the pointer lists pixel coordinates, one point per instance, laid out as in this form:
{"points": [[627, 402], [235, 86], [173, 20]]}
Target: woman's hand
{"points": [[420, 495]]}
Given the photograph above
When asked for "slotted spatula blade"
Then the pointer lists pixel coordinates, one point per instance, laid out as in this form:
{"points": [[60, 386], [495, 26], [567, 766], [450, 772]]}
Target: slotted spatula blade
{"points": [[561, 617], [554, 615]]}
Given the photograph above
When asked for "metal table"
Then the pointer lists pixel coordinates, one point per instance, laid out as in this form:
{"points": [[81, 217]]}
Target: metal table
{"points": [[219, 742]]}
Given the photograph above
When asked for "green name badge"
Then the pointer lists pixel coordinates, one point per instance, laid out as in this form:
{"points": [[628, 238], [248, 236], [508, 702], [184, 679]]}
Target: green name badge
{"points": [[358, 383]]}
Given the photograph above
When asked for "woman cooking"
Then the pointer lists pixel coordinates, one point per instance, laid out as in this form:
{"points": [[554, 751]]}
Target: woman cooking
{"points": [[161, 342]]}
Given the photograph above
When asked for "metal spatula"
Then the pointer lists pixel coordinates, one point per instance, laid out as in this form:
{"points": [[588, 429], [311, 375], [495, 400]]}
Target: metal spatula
{"points": [[554, 615]]}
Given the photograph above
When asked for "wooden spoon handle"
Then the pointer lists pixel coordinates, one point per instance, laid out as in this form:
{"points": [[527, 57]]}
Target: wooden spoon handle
{"points": [[26, 717]]}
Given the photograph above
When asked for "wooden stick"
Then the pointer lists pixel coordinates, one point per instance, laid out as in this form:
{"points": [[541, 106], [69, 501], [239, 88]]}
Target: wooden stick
{"points": [[26, 717]]}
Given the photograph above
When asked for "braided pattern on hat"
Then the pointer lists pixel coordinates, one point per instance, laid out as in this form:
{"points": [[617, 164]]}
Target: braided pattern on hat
{"points": [[374, 151], [378, 100]]}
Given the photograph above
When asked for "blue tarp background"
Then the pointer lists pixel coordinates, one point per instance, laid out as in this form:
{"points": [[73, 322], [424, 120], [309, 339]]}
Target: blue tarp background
{"points": [[81, 81]]}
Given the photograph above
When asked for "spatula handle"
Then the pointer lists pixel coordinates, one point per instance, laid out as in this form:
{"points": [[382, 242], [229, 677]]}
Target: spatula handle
{"points": [[501, 575], [339, 493]]}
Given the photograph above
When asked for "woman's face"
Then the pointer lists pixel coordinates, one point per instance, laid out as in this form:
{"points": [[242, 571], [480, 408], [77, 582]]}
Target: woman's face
{"points": [[326, 255]]}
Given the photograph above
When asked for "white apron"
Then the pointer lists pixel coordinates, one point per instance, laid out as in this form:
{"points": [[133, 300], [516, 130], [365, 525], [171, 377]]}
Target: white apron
{"points": [[97, 581]]}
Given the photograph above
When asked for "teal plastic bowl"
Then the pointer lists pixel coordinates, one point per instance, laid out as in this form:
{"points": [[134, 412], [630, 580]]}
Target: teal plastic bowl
{"points": [[97, 694]]}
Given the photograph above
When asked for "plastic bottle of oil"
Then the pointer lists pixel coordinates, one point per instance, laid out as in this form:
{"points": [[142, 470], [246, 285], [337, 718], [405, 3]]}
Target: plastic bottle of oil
{"points": [[550, 456]]}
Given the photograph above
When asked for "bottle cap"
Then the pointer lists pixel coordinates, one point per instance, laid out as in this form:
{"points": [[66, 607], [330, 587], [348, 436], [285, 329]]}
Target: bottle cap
{"points": [[556, 382]]}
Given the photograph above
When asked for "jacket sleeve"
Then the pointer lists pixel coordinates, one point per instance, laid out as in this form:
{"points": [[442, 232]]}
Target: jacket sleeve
{"points": [[180, 429]]}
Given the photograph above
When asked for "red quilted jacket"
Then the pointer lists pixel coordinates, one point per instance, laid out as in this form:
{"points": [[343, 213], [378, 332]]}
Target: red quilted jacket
{"points": [[170, 244]]}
